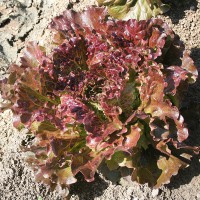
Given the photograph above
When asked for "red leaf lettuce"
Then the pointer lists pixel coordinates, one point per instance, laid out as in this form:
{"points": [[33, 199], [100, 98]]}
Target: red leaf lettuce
{"points": [[109, 92]]}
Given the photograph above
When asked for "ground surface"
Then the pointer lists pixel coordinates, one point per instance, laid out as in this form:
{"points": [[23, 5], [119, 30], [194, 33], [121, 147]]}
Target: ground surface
{"points": [[23, 20]]}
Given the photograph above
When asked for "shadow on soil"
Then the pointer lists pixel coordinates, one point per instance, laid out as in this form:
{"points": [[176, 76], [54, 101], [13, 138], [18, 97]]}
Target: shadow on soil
{"points": [[177, 9], [88, 191], [195, 55], [191, 114]]}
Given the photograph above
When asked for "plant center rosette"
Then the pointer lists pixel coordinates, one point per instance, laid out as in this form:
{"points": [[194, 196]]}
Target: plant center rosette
{"points": [[109, 92]]}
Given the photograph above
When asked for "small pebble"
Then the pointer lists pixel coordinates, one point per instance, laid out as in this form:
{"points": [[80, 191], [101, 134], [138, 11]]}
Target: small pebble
{"points": [[155, 192]]}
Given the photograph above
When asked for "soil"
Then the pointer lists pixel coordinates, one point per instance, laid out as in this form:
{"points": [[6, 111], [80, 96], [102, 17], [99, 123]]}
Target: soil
{"points": [[25, 20]]}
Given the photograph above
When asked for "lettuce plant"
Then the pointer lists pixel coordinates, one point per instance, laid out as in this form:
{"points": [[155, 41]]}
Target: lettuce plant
{"points": [[134, 9], [108, 92]]}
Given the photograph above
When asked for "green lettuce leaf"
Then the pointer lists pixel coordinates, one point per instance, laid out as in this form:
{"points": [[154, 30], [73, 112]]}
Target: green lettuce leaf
{"points": [[134, 9]]}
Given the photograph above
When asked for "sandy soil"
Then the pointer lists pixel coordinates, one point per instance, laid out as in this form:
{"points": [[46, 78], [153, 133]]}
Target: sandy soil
{"points": [[24, 20]]}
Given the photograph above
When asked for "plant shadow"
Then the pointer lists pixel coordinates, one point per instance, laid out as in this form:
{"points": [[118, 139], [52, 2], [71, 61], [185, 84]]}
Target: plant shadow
{"points": [[191, 114], [88, 191], [195, 55], [177, 10]]}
